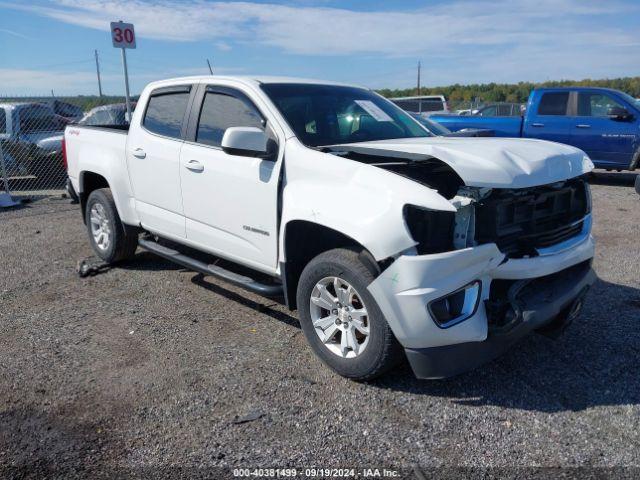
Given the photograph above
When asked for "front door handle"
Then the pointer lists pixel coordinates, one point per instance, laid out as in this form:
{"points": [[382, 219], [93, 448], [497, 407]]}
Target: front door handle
{"points": [[582, 125], [537, 124], [139, 153], [194, 166]]}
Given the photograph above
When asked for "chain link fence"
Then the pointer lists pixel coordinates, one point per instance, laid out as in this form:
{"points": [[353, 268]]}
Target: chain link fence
{"points": [[31, 147]]}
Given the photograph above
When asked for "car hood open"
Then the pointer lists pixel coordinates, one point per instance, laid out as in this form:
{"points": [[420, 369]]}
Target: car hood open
{"points": [[489, 162]]}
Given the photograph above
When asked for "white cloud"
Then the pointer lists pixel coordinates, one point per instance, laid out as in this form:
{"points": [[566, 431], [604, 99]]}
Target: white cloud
{"points": [[16, 81], [458, 41], [14, 33], [223, 46], [339, 31], [25, 81]]}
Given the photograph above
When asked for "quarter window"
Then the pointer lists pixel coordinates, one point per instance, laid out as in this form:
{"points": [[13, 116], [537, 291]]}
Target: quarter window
{"points": [[221, 111], [165, 113], [553, 103], [3, 121], [595, 104]]}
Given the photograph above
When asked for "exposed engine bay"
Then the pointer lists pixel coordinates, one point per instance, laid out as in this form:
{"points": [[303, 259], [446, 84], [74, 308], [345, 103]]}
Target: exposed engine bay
{"points": [[519, 221]]}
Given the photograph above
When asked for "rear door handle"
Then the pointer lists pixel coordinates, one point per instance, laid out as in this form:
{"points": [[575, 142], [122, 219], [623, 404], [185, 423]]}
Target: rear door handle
{"points": [[194, 166], [537, 124], [139, 153], [583, 126]]}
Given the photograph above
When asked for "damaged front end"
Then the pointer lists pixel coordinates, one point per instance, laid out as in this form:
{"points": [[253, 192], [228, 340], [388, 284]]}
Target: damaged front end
{"points": [[507, 262]]}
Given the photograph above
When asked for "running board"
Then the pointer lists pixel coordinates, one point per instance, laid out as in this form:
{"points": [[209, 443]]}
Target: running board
{"points": [[213, 270]]}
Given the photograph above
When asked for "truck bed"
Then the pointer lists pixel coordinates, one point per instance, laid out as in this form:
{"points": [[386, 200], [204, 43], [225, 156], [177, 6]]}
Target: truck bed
{"points": [[98, 149]]}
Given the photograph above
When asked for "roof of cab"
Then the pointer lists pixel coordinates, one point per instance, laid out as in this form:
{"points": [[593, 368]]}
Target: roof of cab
{"points": [[251, 79]]}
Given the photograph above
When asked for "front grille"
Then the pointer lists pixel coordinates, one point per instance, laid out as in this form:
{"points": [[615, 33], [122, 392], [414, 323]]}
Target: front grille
{"points": [[520, 221]]}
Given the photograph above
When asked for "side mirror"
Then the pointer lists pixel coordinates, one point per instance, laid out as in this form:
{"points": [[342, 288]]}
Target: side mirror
{"points": [[245, 141], [618, 113]]}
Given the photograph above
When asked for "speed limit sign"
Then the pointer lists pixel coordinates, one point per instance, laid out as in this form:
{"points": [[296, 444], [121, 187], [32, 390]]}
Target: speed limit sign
{"points": [[123, 35]]}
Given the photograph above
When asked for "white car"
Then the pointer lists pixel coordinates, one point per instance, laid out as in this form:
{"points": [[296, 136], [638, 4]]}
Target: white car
{"points": [[424, 105], [388, 241]]}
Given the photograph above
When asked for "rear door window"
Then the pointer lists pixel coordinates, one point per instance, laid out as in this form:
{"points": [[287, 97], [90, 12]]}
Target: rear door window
{"points": [[165, 113], [553, 103]]}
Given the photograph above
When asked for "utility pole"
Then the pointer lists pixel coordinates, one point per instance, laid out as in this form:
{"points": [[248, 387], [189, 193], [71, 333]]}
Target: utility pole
{"points": [[98, 72], [419, 67], [210, 69]]}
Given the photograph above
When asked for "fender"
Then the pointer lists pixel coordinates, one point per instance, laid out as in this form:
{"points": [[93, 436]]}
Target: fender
{"points": [[361, 201], [108, 162]]}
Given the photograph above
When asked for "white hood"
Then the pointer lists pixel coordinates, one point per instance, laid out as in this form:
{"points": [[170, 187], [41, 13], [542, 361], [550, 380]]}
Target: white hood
{"points": [[491, 162]]}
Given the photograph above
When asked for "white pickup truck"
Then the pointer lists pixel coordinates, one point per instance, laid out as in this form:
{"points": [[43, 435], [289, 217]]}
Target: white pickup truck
{"points": [[391, 243]]}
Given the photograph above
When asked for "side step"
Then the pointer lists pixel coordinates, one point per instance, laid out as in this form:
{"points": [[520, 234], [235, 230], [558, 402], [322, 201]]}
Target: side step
{"points": [[213, 270]]}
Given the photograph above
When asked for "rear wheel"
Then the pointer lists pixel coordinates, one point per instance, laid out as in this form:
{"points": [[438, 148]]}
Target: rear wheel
{"points": [[340, 318], [110, 238]]}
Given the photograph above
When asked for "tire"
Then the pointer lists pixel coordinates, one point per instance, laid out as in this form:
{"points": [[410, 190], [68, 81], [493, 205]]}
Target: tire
{"points": [[638, 184], [377, 352], [121, 240]]}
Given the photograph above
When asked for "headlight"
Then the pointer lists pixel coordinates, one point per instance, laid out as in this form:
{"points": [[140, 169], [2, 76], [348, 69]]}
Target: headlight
{"points": [[431, 229]]}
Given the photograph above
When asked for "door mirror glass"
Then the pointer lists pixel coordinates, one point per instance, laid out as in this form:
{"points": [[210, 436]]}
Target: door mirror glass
{"points": [[618, 113], [245, 141]]}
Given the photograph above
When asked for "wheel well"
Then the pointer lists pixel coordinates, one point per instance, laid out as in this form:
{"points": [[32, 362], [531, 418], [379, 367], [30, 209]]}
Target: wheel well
{"points": [[89, 182], [305, 240]]}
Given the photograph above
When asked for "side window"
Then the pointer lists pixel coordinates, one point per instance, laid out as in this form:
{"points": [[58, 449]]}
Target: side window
{"points": [[553, 103], [431, 105], [408, 105], [488, 111], [595, 104], [165, 113], [221, 111], [3, 121]]}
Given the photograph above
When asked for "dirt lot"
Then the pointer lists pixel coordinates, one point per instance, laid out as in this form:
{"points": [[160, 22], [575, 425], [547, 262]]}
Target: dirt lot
{"points": [[151, 370]]}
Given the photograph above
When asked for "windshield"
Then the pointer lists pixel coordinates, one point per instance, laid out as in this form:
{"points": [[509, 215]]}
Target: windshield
{"points": [[330, 115], [432, 126], [633, 101]]}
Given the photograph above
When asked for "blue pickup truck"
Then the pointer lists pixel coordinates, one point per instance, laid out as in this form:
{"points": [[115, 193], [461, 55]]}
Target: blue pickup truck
{"points": [[605, 123]]}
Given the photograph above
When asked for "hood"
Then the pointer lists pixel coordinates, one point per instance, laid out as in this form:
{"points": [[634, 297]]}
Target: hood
{"points": [[489, 162]]}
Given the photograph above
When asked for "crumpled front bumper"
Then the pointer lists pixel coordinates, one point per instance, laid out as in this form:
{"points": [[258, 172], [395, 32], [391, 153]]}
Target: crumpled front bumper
{"points": [[404, 290]]}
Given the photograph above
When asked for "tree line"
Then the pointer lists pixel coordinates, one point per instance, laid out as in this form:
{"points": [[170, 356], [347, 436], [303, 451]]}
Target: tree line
{"points": [[511, 92]]}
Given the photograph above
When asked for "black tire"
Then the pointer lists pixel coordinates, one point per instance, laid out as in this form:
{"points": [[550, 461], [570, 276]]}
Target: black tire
{"points": [[123, 238], [638, 184], [383, 351]]}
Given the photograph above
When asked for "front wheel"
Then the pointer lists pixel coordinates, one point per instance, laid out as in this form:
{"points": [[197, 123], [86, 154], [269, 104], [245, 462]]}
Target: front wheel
{"points": [[340, 318]]}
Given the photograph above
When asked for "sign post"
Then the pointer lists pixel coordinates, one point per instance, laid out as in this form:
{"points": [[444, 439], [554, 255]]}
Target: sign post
{"points": [[123, 36]]}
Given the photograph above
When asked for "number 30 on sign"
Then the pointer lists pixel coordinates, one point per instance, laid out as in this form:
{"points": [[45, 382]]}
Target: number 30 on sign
{"points": [[123, 35]]}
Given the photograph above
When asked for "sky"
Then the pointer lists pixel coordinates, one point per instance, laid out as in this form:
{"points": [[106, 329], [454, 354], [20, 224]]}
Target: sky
{"points": [[49, 44]]}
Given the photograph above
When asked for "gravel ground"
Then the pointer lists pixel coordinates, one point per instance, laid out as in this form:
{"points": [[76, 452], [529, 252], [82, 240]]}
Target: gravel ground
{"points": [[152, 370]]}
